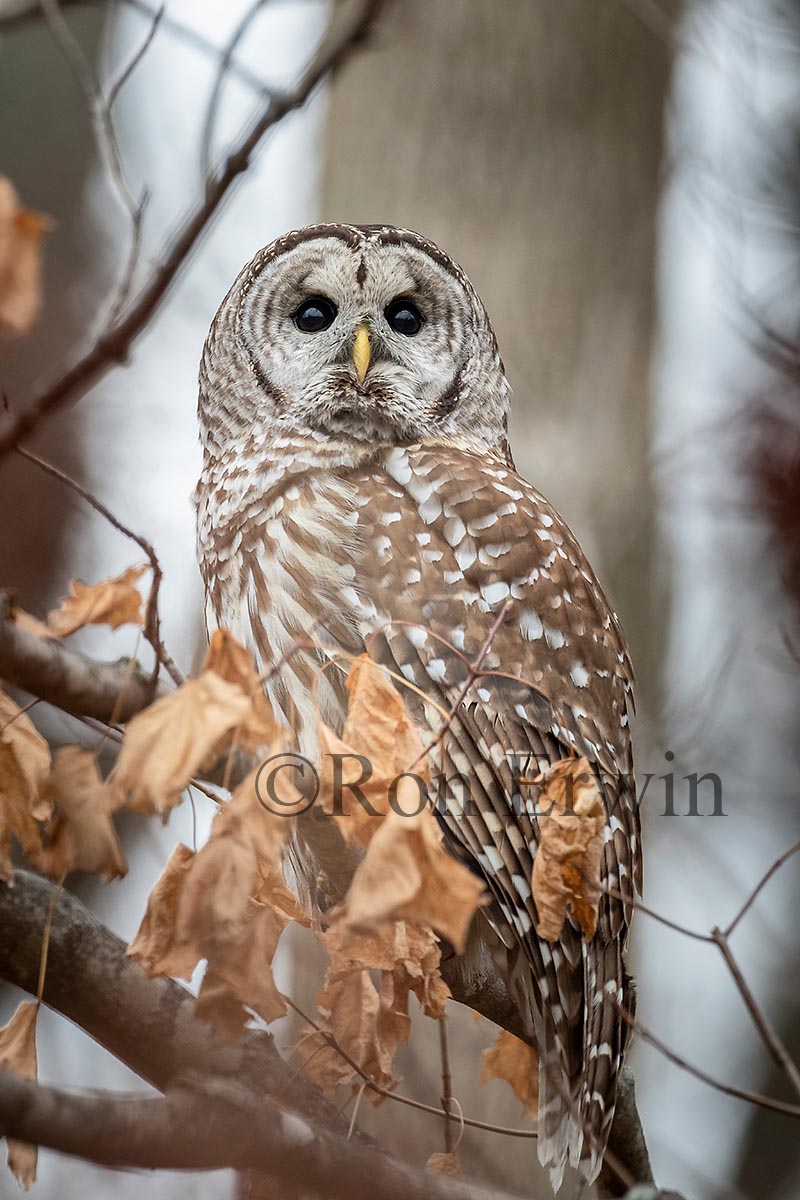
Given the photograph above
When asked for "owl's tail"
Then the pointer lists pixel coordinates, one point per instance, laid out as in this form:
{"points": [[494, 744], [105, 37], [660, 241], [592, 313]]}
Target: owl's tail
{"points": [[581, 1040]]}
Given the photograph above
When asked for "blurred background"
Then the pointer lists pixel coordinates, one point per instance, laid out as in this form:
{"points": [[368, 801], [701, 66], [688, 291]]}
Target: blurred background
{"points": [[621, 180]]}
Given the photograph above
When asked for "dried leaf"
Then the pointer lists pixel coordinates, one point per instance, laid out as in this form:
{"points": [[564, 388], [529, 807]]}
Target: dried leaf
{"points": [[156, 946], [241, 974], [408, 959], [408, 874], [18, 1056], [444, 1164], [245, 845], [21, 233], [168, 742], [24, 766], [380, 731], [112, 602], [228, 659], [518, 1064], [83, 836], [566, 867], [348, 1009]]}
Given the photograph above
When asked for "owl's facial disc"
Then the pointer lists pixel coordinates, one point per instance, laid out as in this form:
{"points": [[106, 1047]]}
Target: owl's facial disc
{"points": [[369, 342]]}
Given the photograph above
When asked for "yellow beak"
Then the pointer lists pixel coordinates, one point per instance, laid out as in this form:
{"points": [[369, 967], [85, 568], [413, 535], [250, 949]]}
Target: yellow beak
{"points": [[361, 352]]}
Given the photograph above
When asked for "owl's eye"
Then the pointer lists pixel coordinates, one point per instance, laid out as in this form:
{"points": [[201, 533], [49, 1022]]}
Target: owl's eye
{"points": [[315, 314], [403, 316]]}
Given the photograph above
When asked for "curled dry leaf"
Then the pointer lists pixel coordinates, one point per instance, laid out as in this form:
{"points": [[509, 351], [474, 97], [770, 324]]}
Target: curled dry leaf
{"points": [[566, 867], [245, 846], [227, 903], [407, 874], [518, 1064], [228, 658], [21, 233], [167, 743], [379, 740], [112, 602], [240, 973], [24, 767], [156, 946], [18, 1056], [444, 1164], [408, 960], [82, 835], [348, 1008]]}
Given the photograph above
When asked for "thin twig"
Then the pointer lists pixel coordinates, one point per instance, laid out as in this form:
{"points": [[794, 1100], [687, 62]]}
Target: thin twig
{"points": [[137, 56], [151, 621], [765, 878], [460, 1119], [767, 1031], [727, 1089], [212, 108], [447, 1085], [100, 112]]}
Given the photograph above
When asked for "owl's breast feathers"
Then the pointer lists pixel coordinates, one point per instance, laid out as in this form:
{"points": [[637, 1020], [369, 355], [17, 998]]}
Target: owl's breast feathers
{"points": [[413, 552]]}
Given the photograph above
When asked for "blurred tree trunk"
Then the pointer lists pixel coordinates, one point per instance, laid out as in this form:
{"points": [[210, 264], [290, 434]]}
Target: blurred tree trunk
{"points": [[527, 139], [39, 93]]}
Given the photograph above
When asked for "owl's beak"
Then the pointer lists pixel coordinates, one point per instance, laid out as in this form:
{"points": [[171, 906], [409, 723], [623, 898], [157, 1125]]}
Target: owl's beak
{"points": [[361, 352]]}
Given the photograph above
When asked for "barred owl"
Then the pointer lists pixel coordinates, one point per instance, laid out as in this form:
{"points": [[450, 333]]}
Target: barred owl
{"points": [[357, 482]]}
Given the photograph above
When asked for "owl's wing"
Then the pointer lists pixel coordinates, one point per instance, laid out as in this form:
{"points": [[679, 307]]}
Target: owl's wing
{"points": [[450, 543]]}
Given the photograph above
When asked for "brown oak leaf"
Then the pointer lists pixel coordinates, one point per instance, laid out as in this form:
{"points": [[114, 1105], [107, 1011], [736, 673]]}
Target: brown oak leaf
{"points": [[21, 234], [518, 1064], [566, 867], [111, 602], [244, 848], [228, 658], [81, 834], [408, 874], [379, 741], [24, 767], [444, 1164], [156, 947], [18, 1056], [167, 743], [240, 973]]}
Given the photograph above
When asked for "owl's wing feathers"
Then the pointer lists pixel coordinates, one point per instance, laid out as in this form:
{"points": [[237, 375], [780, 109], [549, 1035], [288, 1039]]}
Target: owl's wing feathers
{"points": [[448, 542]]}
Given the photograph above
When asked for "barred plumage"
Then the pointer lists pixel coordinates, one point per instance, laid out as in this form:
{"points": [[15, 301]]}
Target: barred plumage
{"points": [[384, 511]]}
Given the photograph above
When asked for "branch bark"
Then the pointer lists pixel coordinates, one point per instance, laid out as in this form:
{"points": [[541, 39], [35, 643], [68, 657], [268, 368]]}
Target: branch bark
{"points": [[148, 1024], [206, 1130], [107, 691]]}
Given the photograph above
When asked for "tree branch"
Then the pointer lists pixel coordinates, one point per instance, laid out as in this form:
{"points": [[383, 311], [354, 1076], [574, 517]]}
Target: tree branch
{"points": [[149, 1024], [107, 691], [206, 1130]]}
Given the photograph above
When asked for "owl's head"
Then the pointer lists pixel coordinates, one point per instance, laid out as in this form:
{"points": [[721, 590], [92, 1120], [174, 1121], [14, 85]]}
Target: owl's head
{"points": [[354, 332]]}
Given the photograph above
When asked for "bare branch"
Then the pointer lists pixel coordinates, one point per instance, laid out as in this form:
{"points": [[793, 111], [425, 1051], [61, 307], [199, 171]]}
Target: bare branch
{"points": [[215, 96], [149, 1024], [114, 343], [207, 1130], [99, 110], [151, 619], [765, 878], [137, 56], [647, 1035], [108, 691], [767, 1031]]}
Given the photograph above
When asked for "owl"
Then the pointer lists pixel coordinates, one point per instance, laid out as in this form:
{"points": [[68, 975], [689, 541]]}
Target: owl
{"points": [[358, 493]]}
